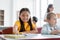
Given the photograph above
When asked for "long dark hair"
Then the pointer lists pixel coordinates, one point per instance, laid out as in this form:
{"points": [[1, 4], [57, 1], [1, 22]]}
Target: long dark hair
{"points": [[22, 23], [49, 6]]}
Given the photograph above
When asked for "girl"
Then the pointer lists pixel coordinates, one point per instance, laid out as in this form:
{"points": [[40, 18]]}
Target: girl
{"points": [[49, 10], [24, 24]]}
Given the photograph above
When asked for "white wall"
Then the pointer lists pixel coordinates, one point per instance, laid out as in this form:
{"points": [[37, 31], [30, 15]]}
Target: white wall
{"points": [[57, 6], [44, 4], [57, 9], [6, 5], [38, 12]]}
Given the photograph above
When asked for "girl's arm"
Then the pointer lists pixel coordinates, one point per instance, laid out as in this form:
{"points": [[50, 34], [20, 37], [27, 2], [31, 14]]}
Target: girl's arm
{"points": [[15, 29], [34, 31]]}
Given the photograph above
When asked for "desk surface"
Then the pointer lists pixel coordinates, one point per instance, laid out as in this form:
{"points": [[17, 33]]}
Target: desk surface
{"points": [[39, 36], [32, 36]]}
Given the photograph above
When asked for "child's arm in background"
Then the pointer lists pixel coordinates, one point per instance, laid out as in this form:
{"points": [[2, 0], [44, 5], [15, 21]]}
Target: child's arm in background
{"points": [[45, 30], [55, 32]]}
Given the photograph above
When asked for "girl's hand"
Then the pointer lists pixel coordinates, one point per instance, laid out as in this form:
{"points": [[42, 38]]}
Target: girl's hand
{"points": [[15, 31], [34, 32], [30, 32]]}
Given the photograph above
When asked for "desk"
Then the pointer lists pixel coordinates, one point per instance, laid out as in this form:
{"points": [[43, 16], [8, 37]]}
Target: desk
{"points": [[35, 36], [6, 30], [39, 36], [1, 29]]}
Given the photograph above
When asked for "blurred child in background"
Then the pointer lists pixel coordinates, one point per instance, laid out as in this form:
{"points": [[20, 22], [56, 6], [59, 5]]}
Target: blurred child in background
{"points": [[50, 28]]}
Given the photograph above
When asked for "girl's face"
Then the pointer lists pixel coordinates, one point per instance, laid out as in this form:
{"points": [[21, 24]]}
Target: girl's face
{"points": [[52, 20], [51, 9], [25, 16]]}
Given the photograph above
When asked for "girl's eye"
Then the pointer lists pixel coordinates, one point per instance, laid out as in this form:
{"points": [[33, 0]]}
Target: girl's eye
{"points": [[54, 18], [27, 15], [23, 15]]}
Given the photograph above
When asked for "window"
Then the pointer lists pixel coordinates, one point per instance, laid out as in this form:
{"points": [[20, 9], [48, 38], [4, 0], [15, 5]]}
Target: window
{"points": [[2, 17]]}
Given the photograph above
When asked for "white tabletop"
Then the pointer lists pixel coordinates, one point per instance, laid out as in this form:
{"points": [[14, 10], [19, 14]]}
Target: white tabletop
{"points": [[39, 36], [32, 36]]}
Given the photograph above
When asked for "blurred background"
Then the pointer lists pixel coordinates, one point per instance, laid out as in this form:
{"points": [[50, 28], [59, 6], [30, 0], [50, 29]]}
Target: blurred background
{"points": [[9, 10]]}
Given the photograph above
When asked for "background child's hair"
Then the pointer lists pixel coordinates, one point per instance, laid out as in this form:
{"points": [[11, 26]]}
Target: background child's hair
{"points": [[49, 15], [21, 22], [35, 19], [49, 6]]}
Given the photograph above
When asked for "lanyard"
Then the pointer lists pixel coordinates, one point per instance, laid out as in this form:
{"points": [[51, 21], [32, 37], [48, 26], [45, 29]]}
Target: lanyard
{"points": [[52, 28]]}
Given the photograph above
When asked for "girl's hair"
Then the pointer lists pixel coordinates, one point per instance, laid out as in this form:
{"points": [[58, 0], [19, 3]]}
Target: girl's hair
{"points": [[49, 15], [35, 19], [21, 22], [49, 6]]}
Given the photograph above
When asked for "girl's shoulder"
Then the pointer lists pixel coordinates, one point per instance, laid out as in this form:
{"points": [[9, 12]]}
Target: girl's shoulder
{"points": [[17, 22]]}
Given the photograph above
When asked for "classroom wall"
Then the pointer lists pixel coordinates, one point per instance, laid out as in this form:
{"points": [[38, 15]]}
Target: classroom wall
{"points": [[57, 9], [6, 5], [57, 6]]}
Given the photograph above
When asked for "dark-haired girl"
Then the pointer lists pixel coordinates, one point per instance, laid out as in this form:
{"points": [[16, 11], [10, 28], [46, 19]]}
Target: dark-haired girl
{"points": [[49, 10], [24, 24]]}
